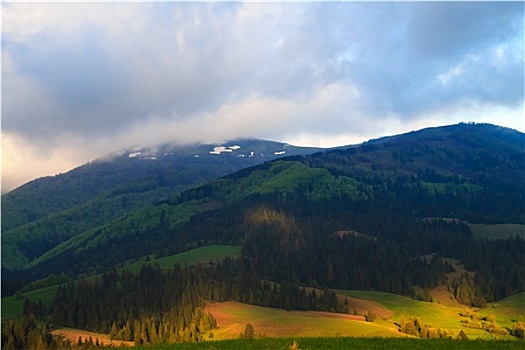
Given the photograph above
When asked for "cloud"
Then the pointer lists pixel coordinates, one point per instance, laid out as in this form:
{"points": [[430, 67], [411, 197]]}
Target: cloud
{"points": [[445, 31], [401, 59], [113, 75]]}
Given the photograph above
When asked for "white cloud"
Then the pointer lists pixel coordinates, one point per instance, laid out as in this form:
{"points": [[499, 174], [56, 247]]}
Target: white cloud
{"points": [[117, 75], [450, 74]]}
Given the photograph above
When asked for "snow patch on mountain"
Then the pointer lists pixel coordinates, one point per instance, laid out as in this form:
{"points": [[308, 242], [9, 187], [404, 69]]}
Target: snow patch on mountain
{"points": [[221, 149]]}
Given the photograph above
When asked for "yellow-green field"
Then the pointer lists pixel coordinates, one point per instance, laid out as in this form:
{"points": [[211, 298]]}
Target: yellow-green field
{"points": [[232, 317], [507, 310]]}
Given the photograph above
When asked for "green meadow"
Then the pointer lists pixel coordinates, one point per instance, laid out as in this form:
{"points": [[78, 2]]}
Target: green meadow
{"points": [[347, 343], [506, 311], [202, 255], [448, 317], [433, 314], [232, 318], [13, 305]]}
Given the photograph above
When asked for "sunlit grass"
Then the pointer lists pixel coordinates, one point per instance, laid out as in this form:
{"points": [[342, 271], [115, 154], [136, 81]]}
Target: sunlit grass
{"points": [[348, 343], [507, 310], [232, 318]]}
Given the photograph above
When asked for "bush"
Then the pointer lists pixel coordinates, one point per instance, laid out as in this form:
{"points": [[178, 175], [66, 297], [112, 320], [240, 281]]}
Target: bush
{"points": [[370, 316], [518, 330], [462, 335]]}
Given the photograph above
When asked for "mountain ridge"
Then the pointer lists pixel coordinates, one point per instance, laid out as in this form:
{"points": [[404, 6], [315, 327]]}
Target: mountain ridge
{"points": [[85, 182]]}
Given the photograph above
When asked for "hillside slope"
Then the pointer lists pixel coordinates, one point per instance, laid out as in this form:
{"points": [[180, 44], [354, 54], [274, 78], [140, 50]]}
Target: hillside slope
{"points": [[45, 212], [387, 221], [364, 217], [167, 165]]}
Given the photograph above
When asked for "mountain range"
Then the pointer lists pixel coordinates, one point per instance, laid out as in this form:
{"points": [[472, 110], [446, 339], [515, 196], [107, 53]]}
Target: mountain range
{"points": [[304, 214]]}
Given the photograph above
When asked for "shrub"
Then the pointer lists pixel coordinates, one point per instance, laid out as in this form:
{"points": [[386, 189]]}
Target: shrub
{"points": [[370, 316], [518, 330]]}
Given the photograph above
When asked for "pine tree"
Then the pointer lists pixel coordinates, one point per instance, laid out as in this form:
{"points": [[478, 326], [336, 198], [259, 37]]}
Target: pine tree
{"points": [[249, 332], [136, 333], [113, 332]]}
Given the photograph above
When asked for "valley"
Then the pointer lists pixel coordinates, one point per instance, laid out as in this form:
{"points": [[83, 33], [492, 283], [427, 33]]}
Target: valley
{"points": [[419, 235]]}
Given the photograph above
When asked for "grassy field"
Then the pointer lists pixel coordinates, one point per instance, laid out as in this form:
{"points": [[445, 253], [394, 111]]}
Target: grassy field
{"points": [[507, 310], [232, 318], [447, 317], [323, 330], [12, 306], [200, 255], [348, 343], [499, 231], [434, 314]]}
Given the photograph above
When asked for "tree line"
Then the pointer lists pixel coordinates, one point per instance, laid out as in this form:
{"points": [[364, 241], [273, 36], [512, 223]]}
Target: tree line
{"points": [[157, 306]]}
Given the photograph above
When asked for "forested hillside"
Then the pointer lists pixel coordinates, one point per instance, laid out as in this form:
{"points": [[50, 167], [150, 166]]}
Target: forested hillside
{"points": [[46, 212], [389, 215]]}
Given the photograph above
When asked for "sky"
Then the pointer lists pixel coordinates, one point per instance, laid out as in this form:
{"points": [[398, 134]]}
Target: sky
{"points": [[83, 79]]}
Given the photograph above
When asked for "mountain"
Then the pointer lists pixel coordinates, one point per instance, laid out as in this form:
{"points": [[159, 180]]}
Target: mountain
{"points": [[390, 215], [45, 212], [387, 215]]}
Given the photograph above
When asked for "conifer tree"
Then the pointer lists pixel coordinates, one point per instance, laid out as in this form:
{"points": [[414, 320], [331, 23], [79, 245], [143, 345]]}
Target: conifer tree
{"points": [[249, 332]]}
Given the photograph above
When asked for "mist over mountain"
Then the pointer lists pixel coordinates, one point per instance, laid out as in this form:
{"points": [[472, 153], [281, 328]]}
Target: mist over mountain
{"points": [[138, 170]]}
